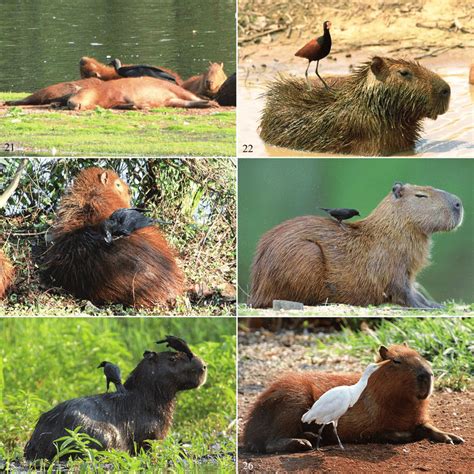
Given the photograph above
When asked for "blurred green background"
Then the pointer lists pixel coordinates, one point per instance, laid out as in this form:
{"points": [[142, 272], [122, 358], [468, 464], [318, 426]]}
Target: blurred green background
{"points": [[274, 190], [44, 361]]}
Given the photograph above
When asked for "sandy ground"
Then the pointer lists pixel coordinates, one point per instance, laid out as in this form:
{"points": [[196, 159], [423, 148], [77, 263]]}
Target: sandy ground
{"points": [[264, 355]]}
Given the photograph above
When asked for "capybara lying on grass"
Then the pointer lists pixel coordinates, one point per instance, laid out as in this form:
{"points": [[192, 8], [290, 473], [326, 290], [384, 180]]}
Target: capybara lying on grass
{"points": [[393, 408], [377, 110], [208, 83]]}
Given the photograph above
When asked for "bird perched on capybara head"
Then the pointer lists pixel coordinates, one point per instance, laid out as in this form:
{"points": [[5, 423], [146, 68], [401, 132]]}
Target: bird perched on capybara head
{"points": [[138, 270], [394, 407], [6, 274], [315, 260], [376, 111]]}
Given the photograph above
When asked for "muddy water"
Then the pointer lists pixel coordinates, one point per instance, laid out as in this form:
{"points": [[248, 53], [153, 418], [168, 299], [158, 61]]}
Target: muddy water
{"points": [[450, 136]]}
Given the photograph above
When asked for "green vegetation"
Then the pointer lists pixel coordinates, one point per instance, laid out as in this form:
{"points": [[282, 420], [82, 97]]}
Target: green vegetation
{"points": [[44, 361], [159, 132]]}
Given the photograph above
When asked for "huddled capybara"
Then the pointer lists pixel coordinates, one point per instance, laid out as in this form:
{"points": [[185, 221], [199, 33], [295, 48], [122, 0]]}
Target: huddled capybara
{"points": [[315, 260], [6, 274], [227, 94], [394, 407], [90, 67], [139, 269], [56, 93], [136, 93], [375, 111], [208, 83], [123, 420]]}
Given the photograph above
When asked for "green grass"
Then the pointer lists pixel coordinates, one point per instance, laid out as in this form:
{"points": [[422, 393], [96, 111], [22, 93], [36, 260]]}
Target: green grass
{"points": [[159, 132], [446, 342], [44, 361]]}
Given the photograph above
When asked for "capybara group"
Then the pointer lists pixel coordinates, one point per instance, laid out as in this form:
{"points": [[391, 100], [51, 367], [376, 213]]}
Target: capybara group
{"points": [[394, 407], [315, 260], [208, 83], [138, 270], [377, 110], [6, 274], [123, 420]]}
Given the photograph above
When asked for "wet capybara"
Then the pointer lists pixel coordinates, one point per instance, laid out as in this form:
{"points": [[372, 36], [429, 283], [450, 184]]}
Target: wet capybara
{"points": [[6, 274], [123, 420], [315, 260], [227, 94], [393, 408], [90, 67], [57, 93], [137, 270], [377, 110], [208, 83], [136, 93]]}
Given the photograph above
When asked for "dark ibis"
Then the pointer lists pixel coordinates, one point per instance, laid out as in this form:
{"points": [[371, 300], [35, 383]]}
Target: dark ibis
{"points": [[139, 70], [316, 50], [341, 214]]}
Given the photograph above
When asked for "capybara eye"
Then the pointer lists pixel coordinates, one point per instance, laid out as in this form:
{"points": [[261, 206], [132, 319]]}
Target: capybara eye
{"points": [[396, 361], [404, 72], [421, 195]]}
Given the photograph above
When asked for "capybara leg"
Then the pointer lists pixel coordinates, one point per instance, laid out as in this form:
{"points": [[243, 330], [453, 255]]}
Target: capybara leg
{"points": [[311, 437], [434, 434], [425, 302], [397, 437], [189, 104], [288, 445]]}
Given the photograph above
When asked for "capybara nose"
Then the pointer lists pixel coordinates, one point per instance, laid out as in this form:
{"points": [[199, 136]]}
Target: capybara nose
{"points": [[423, 376], [458, 205], [446, 91]]}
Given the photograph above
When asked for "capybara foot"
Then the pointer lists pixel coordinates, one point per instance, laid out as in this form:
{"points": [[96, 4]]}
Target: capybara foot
{"points": [[289, 445], [311, 437], [438, 436]]}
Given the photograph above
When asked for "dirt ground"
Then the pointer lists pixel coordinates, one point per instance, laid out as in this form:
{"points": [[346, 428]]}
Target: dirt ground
{"points": [[264, 355]]}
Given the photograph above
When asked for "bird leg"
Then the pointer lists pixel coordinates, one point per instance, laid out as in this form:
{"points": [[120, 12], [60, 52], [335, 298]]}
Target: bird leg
{"points": [[337, 436], [317, 74], [306, 74], [319, 435]]}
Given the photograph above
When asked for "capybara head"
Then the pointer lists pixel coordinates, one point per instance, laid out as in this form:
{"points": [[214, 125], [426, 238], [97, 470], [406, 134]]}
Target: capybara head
{"points": [[426, 208], [90, 67], [214, 77], [173, 370], [400, 81], [407, 375]]}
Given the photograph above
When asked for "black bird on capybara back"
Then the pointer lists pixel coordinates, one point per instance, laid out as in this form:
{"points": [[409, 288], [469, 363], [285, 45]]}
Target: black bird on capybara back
{"points": [[123, 421], [375, 111]]}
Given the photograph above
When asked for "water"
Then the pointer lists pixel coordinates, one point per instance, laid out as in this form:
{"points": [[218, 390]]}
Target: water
{"points": [[42, 41], [450, 136]]}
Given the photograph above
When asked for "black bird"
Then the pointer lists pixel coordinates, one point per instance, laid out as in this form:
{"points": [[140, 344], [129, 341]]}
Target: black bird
{"points": [[341, 214], [123, 222], [140, 70], [112, 374], [177, 344]]}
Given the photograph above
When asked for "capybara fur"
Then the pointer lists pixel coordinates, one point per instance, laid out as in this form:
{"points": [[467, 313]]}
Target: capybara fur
{"points": [[57, 93], [136, 93], [138, 270], [208, 83], [394, 407], [227, 94], [315, 260], [377, 110], [7, 273], [471, 74], [143, 411]]}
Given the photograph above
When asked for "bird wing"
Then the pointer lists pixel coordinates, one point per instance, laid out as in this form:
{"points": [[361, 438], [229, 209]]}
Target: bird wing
{"points": [[329, 407]]}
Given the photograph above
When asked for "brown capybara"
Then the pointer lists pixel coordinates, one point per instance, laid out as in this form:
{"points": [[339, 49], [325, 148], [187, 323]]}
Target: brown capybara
{"points": [[137, 270], [394, 407], [6, 274], [227, 94], [136, 93], [315, 260], [208, 83], [57, 93], [471, 74], [375, 111]]}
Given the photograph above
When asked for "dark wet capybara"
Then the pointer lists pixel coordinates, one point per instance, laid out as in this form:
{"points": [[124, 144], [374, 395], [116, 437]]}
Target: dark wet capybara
{"points": [[227, 94], [123, 420], [316, 260], [393, 408], [377, 110]]}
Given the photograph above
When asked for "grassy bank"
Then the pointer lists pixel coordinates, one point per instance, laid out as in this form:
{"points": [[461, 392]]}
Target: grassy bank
{"points": [[46, 361], [158, 132]]}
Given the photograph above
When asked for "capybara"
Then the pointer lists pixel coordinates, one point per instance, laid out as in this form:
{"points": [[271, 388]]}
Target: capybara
{"points": [[394, 407], [227, 94], [123, 420], [90, 67], [471, 74], [6, 274], [138, 270], [375, 111], [315, 260], [57, 93], [136, 93], [208, 83]]}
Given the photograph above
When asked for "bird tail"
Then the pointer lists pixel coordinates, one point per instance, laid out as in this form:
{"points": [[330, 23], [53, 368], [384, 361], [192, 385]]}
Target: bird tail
{"points": [[324, 209], [306, 418]]}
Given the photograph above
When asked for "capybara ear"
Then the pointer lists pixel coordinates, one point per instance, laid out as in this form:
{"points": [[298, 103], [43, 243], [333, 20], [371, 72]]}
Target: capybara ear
{"points": [[104, 178], [383, 351], [397, 190], [405, 343], [149, 354], [222, 65], [377, 66]]}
